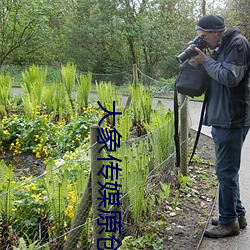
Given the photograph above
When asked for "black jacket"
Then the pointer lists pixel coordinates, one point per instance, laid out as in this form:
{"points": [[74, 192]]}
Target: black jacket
{"points": [[229, 90]]}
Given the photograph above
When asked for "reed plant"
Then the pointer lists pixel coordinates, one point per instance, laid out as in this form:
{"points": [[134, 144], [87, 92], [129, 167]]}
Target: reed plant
{"points": [[48, 97], [62, 106], [141, 104], [124, 125], [68, 74], [106, 92], [6, 184], [34, 80], [56, 184], [5, 90], [135, 157], [83, 91], [135, 172], [160, 131]]}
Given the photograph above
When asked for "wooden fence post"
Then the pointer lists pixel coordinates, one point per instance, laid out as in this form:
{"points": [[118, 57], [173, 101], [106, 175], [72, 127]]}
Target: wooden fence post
{"points": [[135, 74], [184, 135], [135, 82], [90, 196], [95, 168], [80, 218]]}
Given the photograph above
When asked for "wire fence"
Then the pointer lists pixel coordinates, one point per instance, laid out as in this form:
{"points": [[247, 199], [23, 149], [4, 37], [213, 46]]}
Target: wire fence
{"points": [[80, 204], [158, 87]]}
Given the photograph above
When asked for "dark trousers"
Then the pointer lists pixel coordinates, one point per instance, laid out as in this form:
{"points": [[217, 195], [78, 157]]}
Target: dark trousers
{"points": [[228, 145]]}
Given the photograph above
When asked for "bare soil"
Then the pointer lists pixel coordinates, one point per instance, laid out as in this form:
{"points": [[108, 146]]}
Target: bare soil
{"points": [[187, 223]]}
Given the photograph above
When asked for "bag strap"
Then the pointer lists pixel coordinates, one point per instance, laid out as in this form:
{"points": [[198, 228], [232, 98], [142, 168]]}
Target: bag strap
{"points": [[176, 126]]}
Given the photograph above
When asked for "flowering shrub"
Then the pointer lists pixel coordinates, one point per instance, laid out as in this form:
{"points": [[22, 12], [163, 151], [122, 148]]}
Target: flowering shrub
{"points": [[43, 137]]}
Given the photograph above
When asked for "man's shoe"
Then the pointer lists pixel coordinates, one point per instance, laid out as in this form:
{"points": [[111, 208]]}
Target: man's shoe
{"points": [[241, 219], [221, 231]]}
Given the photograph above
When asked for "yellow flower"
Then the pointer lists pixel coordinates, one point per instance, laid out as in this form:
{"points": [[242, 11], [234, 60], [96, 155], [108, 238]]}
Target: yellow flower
{"points": [[31, 187], [38, 155], [69, 211], [14, 209], [6, 132], [17, 152], [45, 151], [73, 199], [37, 196]]}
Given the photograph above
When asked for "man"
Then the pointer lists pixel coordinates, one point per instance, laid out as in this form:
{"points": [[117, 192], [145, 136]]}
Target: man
{"points": [[228, 112]]}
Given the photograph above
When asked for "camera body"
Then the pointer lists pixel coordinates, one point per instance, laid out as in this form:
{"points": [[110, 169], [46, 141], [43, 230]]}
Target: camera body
{"points": [[190, 51]]}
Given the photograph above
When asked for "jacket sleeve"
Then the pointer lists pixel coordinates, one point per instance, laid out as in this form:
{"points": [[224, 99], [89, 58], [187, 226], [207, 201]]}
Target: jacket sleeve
{"points": [[234, 66]]}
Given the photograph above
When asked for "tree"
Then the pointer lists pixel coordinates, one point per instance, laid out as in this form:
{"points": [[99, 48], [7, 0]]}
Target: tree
{"points": [[108, 36], [237, 13], [20, 22], [102, 36]]}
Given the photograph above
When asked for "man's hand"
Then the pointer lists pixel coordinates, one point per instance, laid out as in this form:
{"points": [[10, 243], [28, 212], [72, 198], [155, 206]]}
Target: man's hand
{"points": [[200, 58]]}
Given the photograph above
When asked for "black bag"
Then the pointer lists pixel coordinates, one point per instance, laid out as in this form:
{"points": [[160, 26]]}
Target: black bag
{"points": [[192, 80]]}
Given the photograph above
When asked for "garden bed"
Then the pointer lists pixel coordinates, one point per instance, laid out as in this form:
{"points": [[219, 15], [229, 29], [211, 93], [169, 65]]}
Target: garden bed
{"points": [[177, 222]]}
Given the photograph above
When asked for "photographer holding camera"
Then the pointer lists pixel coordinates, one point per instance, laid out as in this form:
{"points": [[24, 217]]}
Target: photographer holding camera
{"points": [[228, 112]]}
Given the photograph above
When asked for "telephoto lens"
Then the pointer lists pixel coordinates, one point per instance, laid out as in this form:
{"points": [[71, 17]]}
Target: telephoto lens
{"points": [[190, 50]]}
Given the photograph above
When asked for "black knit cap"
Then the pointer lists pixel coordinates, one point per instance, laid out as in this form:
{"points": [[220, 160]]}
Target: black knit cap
{"points": [[210, 23]]}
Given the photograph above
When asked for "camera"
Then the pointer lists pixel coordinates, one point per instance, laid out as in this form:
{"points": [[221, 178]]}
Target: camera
{"points": [[190, 51]]}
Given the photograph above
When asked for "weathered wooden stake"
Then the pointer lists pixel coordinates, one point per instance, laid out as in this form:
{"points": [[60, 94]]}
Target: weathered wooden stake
{"points": [[184, 135], [95, 168], [80, 218]]}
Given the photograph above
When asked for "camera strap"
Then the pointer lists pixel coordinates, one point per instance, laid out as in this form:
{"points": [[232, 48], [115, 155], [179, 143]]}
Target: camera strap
{"points": [[176, 127], [199, 127]]}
